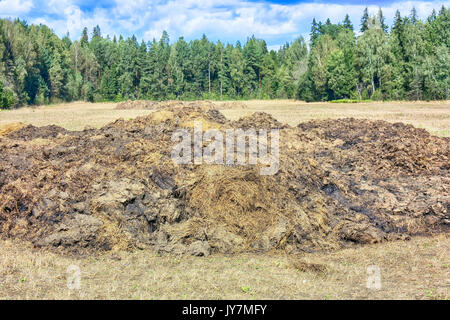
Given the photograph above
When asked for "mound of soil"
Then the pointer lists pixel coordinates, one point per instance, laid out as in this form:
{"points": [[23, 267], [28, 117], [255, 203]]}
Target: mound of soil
{"points": [[230, 105], [137, 104], [258, 120], [156, 105], [340, 183]]}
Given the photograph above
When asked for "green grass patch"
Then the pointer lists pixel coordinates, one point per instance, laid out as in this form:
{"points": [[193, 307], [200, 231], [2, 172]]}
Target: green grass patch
{"points": [[349, 101]]}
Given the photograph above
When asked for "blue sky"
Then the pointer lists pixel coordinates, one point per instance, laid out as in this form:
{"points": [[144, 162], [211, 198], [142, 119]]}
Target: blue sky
{"points": [[277, 22]]}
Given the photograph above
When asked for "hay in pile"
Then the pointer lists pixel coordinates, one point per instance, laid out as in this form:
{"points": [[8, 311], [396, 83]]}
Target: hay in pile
{"points": [[340, 183], [10, 127]]}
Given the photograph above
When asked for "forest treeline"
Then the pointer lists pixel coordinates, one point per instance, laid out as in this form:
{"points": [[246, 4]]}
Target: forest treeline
{"points": [[410, 60]]}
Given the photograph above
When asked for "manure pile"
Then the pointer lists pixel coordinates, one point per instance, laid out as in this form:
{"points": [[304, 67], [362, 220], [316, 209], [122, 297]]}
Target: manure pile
{"points": [[340, 182], [158, 105]]}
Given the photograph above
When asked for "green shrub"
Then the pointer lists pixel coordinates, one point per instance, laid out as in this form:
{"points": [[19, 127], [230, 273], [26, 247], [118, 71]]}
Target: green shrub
{"points": [[349, 101], [7, 99]]}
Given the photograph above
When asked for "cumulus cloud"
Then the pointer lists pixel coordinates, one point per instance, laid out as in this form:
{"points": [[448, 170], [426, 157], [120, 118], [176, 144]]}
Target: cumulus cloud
{"points": [[10, 8], [228, 21]]}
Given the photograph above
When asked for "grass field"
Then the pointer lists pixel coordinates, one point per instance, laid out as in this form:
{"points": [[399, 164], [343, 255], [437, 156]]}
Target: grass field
{"points": [[433, 116], [415, 269]]}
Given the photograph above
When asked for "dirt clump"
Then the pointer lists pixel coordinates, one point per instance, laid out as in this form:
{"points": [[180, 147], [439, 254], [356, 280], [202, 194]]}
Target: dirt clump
{"points": [[340, 183], [158, 105], [259, 120], [137, 104], [231, 105]]}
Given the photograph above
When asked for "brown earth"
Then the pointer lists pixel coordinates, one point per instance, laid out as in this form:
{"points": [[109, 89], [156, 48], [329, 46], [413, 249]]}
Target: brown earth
{"points": [[340, 183], [158, 105]]}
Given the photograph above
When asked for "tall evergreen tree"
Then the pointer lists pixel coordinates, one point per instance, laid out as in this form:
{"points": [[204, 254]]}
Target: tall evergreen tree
{"points": [[365, 20], [347, 23], [381, 20], [84, 38]]}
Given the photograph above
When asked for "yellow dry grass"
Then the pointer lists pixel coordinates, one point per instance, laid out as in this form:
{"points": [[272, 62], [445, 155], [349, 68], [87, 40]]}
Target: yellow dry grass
{"points": [[240, 192], [433, 116], [10, 127], [72, 116], [416, 269]]}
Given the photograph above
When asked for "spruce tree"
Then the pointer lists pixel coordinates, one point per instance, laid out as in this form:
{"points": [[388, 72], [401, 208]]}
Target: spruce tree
{"points": [[365, 20]]}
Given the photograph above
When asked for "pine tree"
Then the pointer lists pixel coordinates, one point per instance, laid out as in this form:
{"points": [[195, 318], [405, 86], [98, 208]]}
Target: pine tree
{"points": [[96, 32], [314, 31], [381, 20], [237, 65], [56, 77], [108, 84], [84, 38], [413, 16], [347, 23], [365, 20]]}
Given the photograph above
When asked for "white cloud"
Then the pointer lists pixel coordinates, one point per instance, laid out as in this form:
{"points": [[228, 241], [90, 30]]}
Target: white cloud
{"points": [[230, 21], [14, 7]]}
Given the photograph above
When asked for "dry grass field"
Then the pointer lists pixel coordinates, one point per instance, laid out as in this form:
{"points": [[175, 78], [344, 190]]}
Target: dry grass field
{"points": [[72, 116], [414, 269], [433, 116]]}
